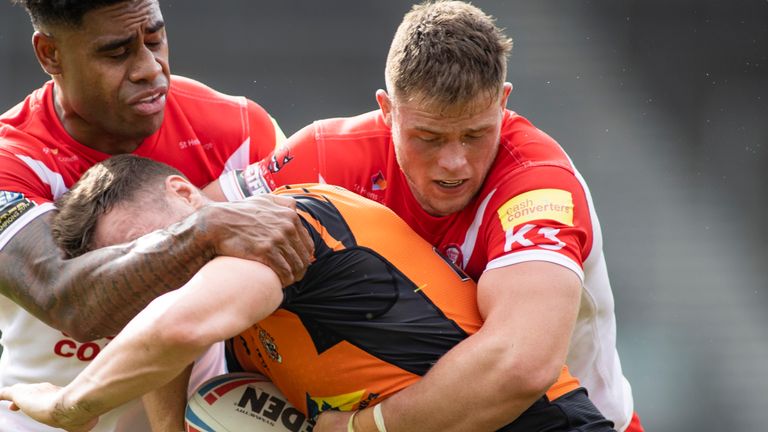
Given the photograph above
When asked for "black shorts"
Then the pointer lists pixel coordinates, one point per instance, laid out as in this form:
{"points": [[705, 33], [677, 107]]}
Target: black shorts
{"points": [[571, 412]]}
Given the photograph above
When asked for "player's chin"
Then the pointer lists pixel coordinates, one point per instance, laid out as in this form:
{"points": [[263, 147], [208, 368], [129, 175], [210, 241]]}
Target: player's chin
{"points": [[445, 207], [143, 126]]}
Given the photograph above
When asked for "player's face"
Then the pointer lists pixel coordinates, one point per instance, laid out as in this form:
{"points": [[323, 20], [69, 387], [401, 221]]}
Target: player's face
{"points": [[130, 220], [114, 71], [446, 154], [127, 222]]}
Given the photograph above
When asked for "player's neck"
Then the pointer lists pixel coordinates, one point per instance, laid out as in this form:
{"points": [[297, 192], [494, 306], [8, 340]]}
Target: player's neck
{"points": [[89, 135]]}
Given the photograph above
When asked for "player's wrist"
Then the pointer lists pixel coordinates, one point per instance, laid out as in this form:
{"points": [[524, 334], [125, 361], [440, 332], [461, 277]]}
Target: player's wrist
{"points": [[365, 420], [72, 408], [378, 418], [351, 422], [203, 230]]}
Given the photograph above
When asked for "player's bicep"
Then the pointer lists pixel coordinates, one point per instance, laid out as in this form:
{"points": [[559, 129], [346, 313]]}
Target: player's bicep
{"points": [[535, 305]]}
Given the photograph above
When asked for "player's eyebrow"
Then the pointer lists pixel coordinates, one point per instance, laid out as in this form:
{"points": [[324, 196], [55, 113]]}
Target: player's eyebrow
{"points": [[481, 128], [117, 43], [155, 27], [426, 129]]}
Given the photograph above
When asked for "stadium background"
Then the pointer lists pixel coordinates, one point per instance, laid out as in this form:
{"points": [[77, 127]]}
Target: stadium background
{"points": [[663, 105]]}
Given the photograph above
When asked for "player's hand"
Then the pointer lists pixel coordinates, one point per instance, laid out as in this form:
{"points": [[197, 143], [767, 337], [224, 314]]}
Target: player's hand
{"points": [[265, 229], [332, 421], [42, 403]]}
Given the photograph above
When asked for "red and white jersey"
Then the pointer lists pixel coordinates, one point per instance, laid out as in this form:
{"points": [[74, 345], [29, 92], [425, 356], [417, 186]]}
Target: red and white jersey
{"points": [[533, 206], [204, 134]]}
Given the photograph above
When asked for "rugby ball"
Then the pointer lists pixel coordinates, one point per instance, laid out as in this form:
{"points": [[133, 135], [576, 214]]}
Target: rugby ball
{"points": [[242, 401]]}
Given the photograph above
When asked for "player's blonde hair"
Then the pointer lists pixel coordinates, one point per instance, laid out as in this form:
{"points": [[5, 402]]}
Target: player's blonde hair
{"points": [[447, 53]]}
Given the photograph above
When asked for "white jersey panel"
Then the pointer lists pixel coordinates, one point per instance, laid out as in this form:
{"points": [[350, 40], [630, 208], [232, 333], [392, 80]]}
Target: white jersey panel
{"points": [[34, 352], [593, 357]]}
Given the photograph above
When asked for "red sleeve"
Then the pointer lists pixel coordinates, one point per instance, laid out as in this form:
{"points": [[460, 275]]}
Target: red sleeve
{"points": [[21, 197], [264, 132], [342, 151], [298, 161], [295, 162], [539, 214], [15, 176]]}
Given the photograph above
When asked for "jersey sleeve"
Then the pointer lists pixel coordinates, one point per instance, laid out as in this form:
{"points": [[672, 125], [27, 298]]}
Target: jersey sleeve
{"points": [[297, 161], [265, 132], [542, 214], [22, 197]]}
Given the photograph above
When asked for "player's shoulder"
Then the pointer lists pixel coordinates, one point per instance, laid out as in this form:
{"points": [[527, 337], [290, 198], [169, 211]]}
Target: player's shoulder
{"points": [[190, 91], [367, 125], [207, 111], [529, 160], [29, 129], [20, 116], [524, 146]]}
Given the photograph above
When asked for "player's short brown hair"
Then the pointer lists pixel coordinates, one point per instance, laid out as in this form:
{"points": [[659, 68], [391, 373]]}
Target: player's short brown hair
{"points": [[119, 179], [447, 52]]}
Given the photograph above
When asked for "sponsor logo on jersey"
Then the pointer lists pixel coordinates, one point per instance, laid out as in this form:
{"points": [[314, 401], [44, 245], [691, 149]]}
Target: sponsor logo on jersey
{"points": [[252, 182], [83, 351], [279, 160], [13, 205], [378, 182], [453, 252], [453, 256], [342, 402], [364, 192], [268, 342], [194, 142], [64, 159], [527, 236], [540, 204]]}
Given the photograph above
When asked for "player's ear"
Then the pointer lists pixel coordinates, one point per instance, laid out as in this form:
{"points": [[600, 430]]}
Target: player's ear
{"points": [[180, 187], [385, 103], [505, 91], [47, 53]]}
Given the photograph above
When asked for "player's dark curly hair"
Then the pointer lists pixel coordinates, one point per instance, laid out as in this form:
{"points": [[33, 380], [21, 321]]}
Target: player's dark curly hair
{"points": [[61, 12]]}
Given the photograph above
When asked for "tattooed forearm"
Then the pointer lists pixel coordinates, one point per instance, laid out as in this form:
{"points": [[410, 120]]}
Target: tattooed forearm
{"points": [[96, 294]]}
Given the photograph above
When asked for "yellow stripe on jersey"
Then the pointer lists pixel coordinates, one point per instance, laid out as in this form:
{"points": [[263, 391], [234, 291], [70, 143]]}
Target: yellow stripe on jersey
{"points": [[549, 204], [342, 402]]}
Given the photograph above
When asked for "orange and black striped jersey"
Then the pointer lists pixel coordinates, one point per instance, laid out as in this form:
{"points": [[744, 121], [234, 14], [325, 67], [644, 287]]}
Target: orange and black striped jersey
{"points": [[376, 309], [533, 205]]}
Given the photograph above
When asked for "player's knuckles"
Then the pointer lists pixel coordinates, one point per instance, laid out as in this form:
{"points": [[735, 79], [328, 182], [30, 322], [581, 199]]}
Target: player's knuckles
{"points": [[282, 233], [281, 267]]}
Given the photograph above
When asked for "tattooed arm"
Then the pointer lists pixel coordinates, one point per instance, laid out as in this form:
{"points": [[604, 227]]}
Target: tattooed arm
{"points": [[96, 294]]}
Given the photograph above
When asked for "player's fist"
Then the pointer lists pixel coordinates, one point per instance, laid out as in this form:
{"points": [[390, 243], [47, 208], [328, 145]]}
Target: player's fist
{"points": [[265, 229]]}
